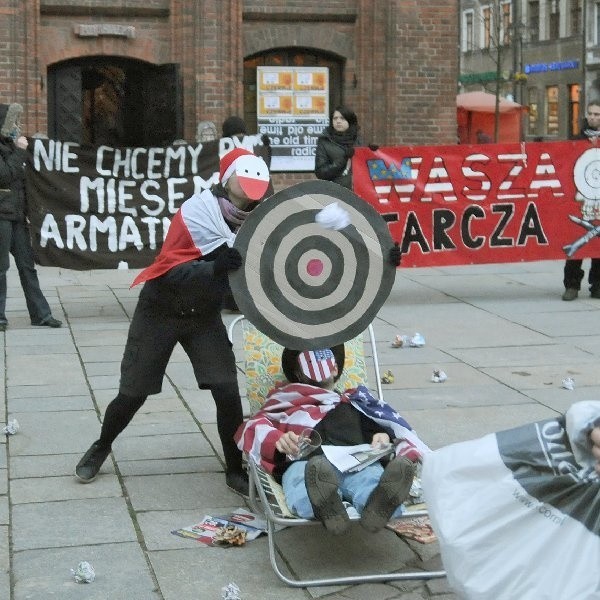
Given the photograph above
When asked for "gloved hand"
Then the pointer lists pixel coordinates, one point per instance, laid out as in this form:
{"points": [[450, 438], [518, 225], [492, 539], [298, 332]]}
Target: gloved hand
{"points": [[374, 147], [264, 138], [229, 259], [349, 152], [395, 255]]}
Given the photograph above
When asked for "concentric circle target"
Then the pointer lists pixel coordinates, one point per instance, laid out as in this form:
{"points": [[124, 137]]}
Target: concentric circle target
{"points": [[586, 174], [306, 286]]}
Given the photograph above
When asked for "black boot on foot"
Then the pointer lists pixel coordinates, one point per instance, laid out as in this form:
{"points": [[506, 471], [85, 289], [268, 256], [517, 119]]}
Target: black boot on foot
{"points": [[237, 481], [89, 465]]}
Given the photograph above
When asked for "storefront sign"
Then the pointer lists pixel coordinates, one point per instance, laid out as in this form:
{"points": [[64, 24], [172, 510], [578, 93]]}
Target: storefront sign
{"points": [[562, 65]]}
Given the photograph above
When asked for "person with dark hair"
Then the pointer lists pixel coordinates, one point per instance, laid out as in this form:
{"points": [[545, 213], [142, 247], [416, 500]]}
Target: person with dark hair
{"points": [[314, 487], [573, 273], [181, 303], [335, 147], [14, 227]]}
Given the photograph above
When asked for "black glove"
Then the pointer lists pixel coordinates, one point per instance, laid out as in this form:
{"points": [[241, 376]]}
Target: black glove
{"points": [[374, 147], [395, 255], [349, 152], [264, 138], [228, 260]]}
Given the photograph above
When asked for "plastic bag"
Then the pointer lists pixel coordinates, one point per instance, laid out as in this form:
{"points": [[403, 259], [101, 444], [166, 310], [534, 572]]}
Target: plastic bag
{"points": [[516, 515]]}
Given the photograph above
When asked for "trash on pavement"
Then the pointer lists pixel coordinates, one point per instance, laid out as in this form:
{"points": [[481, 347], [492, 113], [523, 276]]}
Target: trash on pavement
{"points": [[231, 592], [11, 427], [568, 383], [438, 376], [407, 341], [387, 377], [84, 573]]}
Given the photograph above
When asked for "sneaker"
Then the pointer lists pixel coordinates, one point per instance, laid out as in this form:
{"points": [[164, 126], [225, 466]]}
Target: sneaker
{"points": [[570, 294], [595, 292], [89, 465], [237, 481], [48, 322], [392, 490], [322, 487]]}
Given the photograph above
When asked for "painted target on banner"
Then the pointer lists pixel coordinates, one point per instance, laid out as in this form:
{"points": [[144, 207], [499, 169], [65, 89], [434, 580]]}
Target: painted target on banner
{"points": [[586, 174], [307, 285]]}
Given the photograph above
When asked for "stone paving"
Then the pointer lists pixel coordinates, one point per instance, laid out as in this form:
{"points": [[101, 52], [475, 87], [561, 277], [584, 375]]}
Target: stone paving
{"points": [[500, 332]]}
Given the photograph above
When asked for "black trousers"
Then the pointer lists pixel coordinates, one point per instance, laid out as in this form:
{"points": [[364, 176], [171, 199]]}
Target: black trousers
{"points": [[573, 274]]}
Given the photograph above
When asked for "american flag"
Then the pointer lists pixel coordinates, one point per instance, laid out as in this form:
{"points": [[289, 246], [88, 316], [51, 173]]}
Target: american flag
{"points": [[317, 365], [408, 442]]}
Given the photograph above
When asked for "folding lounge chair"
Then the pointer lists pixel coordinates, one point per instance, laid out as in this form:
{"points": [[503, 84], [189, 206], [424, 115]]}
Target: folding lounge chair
{"points": [[262, 371]]}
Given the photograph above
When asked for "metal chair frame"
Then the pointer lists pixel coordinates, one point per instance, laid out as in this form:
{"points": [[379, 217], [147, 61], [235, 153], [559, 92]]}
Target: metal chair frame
{"points": [[266, 496]]}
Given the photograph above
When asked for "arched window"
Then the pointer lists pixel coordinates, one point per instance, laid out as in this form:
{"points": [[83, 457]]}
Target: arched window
{"points": [[289, 57]]}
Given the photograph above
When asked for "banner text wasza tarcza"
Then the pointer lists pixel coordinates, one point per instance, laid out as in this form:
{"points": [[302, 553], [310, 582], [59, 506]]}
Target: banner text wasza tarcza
{"points": [[476, 204]]}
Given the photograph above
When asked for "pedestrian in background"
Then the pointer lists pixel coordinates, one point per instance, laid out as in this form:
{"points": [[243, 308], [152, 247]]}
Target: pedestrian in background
{"points": [[335, 147], [573, 273], [14, 227]]}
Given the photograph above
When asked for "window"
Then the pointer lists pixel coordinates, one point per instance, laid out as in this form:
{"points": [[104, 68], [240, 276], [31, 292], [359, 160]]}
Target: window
{"points": [[534, 20], [506, 23], [289, 57], [486, 19], [532, 101], [596, 23], [468, 41], [574, 92], [576, 17], [552, 110], [554, 21]]}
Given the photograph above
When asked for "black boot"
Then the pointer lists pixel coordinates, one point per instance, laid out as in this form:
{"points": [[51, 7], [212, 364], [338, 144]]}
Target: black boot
{"points": [[89, 465]]}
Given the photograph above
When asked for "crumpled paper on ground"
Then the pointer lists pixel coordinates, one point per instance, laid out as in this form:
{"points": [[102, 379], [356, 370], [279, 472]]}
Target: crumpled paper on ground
{"points": [[568, 383], [11, 427], [404, 341], [438, 376], [84, 572], [231, 592]]}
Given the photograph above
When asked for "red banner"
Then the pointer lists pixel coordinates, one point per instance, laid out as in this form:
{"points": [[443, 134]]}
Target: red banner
{"points": [[465, 204]]}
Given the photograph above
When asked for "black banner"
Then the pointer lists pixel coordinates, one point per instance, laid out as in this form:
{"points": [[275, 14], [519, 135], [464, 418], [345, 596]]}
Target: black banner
{"points": [[100, 207]]}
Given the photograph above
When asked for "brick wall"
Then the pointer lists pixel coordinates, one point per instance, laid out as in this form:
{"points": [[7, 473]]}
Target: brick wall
{"points": [[400, 56]]}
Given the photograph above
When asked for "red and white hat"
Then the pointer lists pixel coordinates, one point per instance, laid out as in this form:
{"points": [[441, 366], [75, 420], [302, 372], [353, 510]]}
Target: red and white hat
{"points": [[317, 365], [251, 170]]}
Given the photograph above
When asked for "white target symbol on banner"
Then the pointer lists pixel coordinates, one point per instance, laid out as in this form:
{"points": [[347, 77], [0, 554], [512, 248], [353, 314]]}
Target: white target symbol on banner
{"points": [[586, 174], [306, 286]]}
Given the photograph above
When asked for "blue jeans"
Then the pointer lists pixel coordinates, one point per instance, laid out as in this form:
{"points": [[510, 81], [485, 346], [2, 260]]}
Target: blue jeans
{"points": [[15, 240], [352, 487]]}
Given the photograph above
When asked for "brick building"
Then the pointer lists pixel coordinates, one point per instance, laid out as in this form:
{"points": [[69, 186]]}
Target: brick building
{"points": [[146, 72]]}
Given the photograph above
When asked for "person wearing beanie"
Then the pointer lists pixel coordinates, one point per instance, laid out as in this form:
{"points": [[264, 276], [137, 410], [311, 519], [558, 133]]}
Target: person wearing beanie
{"points": [[14, 227], [313, 487], [181, 303]]}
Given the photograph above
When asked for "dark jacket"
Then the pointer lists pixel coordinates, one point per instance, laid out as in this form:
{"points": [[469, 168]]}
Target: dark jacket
{"points": [[331, 160], [12, 174]]}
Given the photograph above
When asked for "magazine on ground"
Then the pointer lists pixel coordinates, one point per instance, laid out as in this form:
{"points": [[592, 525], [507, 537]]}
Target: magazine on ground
{"points": [[414, 528], [349, 459], [209, 529]]}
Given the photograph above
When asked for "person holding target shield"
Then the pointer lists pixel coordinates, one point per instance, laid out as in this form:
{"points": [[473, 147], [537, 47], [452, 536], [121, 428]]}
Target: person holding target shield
{"points": [[181, 303]]}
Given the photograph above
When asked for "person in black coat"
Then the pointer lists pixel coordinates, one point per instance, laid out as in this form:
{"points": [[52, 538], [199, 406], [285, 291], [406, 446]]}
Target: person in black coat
{"points": [[573, 273], [14, 228], [335, 147], [181, 303]]}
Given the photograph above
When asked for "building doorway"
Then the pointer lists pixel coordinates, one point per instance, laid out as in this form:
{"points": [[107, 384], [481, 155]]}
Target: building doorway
{"points": [[114, 101]]}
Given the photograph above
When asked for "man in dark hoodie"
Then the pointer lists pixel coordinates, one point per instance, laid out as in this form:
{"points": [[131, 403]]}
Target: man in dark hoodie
{"points": [[573, 273], [14, 229]]}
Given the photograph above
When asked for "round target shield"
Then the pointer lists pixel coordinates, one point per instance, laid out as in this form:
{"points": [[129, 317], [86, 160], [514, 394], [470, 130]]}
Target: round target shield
{"points": [[307, 284], [586, 174]]}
